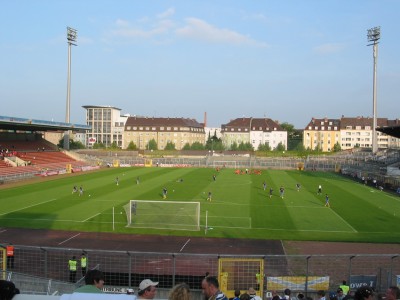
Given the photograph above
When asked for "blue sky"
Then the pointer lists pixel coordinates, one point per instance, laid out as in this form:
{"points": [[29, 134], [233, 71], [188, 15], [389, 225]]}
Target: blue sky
{"points": [[288, 60]]}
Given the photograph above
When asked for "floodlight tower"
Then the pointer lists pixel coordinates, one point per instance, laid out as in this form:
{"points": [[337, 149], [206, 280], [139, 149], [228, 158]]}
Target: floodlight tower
{"points": [[374, 34], [71, 38]]}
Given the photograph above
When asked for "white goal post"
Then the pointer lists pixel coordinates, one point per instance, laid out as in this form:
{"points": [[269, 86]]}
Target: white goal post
{"points": [[175, 215]]}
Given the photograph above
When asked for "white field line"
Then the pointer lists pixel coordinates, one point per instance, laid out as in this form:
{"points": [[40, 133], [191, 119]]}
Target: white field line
{"points": [[184, 245], [344, 221], [90, 217], [27, 207], [68, 239]]}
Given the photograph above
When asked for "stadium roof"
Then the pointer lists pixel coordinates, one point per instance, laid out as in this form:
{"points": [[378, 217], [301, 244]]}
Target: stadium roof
{"points": [[390, 130], [13, 123]]}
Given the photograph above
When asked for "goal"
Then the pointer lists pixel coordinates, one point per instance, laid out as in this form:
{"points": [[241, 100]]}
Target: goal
{"points": [[174, 215]]}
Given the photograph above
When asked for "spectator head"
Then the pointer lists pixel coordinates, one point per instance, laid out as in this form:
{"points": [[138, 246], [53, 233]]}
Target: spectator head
{"points": [[287, 292], [237, 292], [300, 296], [392, 293], [251, 291], [245, 296], [364, 293], [7, 290], [320, 294], [180, 291], [147, 289], [333, 296], [95, 277], [210, 286]]}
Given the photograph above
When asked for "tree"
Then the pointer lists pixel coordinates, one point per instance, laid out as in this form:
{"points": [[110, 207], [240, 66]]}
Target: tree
{"points": [[264, 147], [169, 146], [132, 146], [186, 147], [114, 145], [336, 147], [245, 147], [72, 144], [234, 146], [295, 136], [152, 145], [99, 146], [197, 146], [280, 147]]}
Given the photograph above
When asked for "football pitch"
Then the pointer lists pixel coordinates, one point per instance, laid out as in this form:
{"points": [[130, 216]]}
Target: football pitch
{"points": [[240, 207]]}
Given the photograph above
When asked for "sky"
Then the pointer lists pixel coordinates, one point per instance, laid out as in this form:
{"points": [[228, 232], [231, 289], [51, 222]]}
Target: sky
{"points": [[288, 60]]}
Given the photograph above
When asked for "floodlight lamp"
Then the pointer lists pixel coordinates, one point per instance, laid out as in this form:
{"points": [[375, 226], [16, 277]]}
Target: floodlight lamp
{"points": [[72, 35], [374, 34]]}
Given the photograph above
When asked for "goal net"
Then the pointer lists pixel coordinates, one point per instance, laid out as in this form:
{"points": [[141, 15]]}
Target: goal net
{"points": [[174, 215]]}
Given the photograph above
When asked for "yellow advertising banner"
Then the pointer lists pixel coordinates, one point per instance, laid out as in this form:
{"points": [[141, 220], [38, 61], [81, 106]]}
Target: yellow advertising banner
{"points": [[298, 283]]}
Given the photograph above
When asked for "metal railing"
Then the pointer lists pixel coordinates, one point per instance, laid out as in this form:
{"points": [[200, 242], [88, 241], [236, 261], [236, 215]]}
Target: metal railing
{"points": [[126, 269]]}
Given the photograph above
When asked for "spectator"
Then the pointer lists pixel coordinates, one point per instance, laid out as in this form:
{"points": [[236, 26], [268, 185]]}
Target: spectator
{"points": [[83, 264], [345, 288], [72, 263], [339, 293], [364, 293], [94, 282], [286, 294], [237, 295], [10, 256], [300, 296], [180, 291], [246, 296], [253, 295], [392, 293], [321, 295], [7, 290], [210, 287], [333, 296], [147, 289]]}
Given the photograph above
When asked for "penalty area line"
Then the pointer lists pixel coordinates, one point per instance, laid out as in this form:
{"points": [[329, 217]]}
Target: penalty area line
{"points": [[90, 218]]}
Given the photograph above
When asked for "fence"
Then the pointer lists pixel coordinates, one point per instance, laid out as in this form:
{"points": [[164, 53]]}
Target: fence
{"points": [[126, 269]]}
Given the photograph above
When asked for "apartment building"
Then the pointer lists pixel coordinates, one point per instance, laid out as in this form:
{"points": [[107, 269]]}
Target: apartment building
{"points": [[107, 125], [255, 131], [321, 134], [349, 132], [141, 130]]}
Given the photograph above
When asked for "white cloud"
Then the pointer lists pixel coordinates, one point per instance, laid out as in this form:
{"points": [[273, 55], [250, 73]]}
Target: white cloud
{"points": [[165, 14], [122, 23], [201, 30], [328, 48]]}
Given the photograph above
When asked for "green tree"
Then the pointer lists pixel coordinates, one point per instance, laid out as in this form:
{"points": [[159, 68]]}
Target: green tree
{"points": [[186, 147], [197, 146], [245, 146], [336, 147], [280, 147], [264, 147], [114, 145], [131, 146], [99, 146], [234, 146], [152, 145], [169, 146], [72, 144]]}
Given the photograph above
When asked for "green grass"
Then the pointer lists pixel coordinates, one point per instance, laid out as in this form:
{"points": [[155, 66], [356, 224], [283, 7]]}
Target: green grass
{"points": [[240, 207]]}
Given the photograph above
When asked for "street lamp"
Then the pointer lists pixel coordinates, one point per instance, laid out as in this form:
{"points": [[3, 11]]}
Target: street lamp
{"points": [[71, 38], [374, 34]]}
